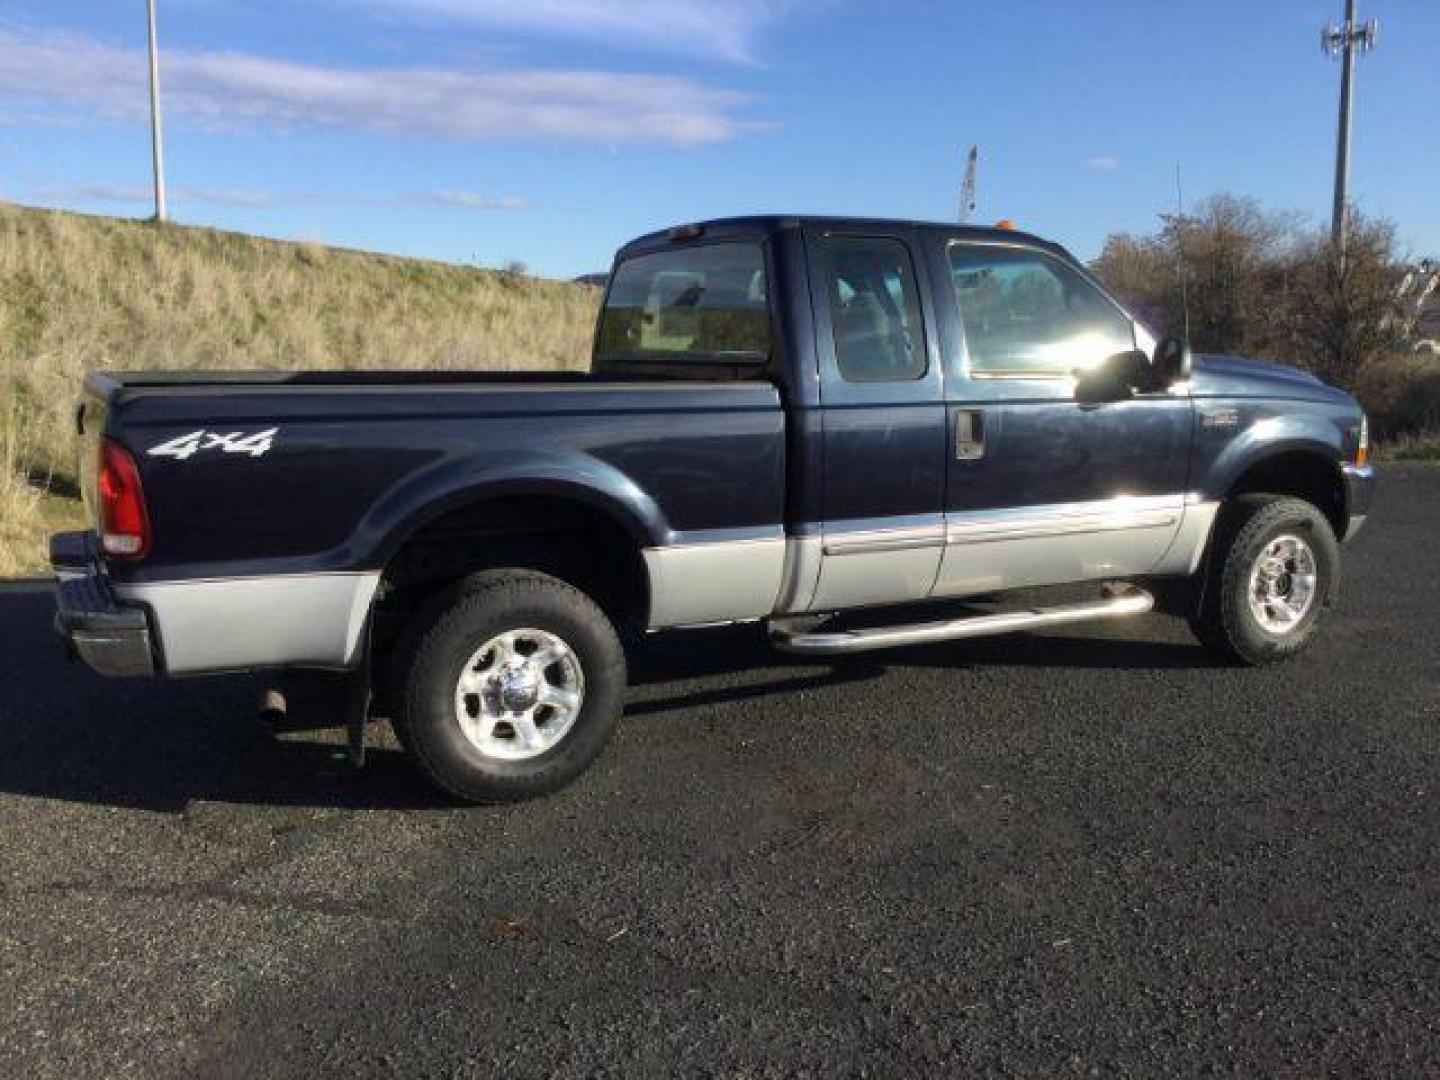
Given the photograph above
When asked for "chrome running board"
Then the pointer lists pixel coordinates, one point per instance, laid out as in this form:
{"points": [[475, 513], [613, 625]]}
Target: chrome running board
{"points": [[792, 636]]}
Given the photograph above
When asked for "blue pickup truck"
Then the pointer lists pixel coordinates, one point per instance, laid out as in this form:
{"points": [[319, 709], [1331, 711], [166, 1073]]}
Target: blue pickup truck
{"points": [[811, 422]]}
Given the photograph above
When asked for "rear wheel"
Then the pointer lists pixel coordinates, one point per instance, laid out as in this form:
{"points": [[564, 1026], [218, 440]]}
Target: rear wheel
{"points": [[1274, 567], [510, 686]]}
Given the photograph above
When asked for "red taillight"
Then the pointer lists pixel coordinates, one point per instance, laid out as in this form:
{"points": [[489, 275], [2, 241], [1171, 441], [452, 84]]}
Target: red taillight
{"points": [[124, 523]]}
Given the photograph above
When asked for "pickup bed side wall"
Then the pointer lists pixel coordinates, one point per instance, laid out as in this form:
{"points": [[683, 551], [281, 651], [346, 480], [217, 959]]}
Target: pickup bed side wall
{"points": [[693, 472]]}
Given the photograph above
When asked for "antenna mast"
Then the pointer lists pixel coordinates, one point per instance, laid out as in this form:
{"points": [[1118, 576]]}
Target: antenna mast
{"points": [[1342, 41], [1180, 227], [967, 187]]}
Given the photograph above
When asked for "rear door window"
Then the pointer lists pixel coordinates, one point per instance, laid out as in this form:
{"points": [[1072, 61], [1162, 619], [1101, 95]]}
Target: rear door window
{"points": [[874, 309]]}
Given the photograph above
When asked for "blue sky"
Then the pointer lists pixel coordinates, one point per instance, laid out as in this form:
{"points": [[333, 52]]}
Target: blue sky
{"points": [[552, 130]]}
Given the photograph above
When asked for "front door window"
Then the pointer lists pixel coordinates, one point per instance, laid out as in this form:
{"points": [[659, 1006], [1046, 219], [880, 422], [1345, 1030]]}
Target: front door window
{"points": [[1027, 314]]}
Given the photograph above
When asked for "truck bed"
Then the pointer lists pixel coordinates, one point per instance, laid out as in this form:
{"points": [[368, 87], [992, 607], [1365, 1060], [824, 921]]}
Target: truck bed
{"points": [[287, 472]]}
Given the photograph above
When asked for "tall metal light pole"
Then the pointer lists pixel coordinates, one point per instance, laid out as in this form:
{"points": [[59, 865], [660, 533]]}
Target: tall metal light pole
{"points": [[1342, 41], [157, 142]]}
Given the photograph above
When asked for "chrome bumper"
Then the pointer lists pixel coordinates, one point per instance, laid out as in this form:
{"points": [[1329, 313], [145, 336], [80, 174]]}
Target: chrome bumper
{"points": [[1359, 492], [112, 639]]}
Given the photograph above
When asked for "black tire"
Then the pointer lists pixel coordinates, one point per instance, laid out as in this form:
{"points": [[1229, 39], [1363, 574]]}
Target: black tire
{"points": [[447, 634], [1224, 620]]}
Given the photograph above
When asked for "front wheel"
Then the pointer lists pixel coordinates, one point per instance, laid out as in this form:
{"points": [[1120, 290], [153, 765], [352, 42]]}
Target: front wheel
{"points": [[1273, 569], [510, 687]]}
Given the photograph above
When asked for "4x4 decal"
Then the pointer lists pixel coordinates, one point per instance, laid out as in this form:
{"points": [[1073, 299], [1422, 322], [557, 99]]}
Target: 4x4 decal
{"points": [[233, 442]]}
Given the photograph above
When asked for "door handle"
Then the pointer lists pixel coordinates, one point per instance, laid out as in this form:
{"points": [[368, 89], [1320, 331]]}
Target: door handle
{"points": [[969, 434]]}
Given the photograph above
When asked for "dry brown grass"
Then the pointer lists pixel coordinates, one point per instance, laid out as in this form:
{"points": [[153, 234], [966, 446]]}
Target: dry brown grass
{"points": [[22, 544], [84, 293]]}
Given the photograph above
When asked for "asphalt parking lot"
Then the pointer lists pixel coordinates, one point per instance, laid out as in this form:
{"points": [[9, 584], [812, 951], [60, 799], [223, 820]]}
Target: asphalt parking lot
{"points": [[1086, 853]]}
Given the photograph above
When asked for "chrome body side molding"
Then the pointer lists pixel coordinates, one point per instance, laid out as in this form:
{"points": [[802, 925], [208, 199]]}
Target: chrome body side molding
{"points": [[878, 561], [1065, 519], [230, 624], [879, 541]]}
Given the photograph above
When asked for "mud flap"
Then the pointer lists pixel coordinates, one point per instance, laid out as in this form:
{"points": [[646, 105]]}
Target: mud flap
{"points": [[358, 698]]}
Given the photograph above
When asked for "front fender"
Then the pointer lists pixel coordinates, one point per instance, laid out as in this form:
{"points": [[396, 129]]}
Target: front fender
{"points": [[1267, 438], [451, 484]]}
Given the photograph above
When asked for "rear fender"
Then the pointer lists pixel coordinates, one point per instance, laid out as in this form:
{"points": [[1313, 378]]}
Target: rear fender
{"points": [[450, 485]]}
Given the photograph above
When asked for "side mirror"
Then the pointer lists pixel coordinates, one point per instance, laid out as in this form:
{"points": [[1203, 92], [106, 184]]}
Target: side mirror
{"points": [[1114, 379], [1172, 363]]}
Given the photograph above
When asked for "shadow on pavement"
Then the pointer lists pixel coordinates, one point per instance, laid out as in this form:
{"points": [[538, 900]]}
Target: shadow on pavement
{"points": [[68, 734]]}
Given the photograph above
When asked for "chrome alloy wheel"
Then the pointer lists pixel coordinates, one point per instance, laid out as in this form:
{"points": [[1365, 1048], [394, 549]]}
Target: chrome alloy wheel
{"points": [[519, 694], [1283, 584]]}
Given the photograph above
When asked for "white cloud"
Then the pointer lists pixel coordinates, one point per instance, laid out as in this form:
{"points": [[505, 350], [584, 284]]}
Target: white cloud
{"points": [[181, 194], [1102, 163], [725, 29], [231, 90], [473, 200], [143, 193]]}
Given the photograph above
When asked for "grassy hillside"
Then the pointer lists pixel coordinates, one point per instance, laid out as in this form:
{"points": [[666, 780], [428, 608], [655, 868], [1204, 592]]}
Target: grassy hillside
{"points": [[81, 293]]}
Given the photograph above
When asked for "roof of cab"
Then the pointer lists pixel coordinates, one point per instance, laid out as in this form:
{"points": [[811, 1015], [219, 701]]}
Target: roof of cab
{"points": [[760, 226]]}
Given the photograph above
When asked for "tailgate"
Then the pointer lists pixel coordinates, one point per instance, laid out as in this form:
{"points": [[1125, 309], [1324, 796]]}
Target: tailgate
{"points": [[90, 418]]}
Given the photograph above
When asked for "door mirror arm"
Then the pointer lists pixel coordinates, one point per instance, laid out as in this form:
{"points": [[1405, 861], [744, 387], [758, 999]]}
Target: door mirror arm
{"points": [[1173, 362]]}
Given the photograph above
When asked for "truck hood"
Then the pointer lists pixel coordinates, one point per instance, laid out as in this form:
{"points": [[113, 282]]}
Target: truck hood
{"points": [[1224, 374]]}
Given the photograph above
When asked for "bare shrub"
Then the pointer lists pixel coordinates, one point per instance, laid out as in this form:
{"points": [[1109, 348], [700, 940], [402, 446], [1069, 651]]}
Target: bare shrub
{"points": [[1264, 284], [1343, 315], [1401, 395]]}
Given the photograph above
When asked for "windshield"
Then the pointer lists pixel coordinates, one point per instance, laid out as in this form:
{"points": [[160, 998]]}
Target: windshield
{"points": [[702, 305]]}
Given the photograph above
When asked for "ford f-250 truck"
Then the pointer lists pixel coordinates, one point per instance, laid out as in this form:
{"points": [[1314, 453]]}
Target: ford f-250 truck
{"points": [[797, 420]]}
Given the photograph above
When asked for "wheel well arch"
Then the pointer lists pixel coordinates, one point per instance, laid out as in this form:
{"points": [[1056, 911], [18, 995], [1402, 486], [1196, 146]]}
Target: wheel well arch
{"points": [[1302, 474], [570, 538]]}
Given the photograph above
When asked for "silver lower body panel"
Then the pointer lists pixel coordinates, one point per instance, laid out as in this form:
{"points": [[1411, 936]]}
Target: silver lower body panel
{"points": [[995, 550], [875, 562], [230, 624], [724, 581]]}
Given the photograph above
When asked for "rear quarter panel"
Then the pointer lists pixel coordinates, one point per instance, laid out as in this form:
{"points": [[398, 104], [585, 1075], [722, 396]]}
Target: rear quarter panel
{"points": [[352, 470]]}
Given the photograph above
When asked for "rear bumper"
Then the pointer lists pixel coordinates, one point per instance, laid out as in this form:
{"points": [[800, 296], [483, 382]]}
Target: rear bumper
{"points": [[111, 638], [1359, 490]]}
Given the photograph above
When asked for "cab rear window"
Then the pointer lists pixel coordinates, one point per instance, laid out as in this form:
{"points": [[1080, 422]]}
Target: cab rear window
{"points": [[704, 305]]}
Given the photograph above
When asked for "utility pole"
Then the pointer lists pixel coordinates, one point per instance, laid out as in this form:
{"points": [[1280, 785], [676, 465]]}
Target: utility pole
{"points": [[1342, 41], [157, 143]]}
